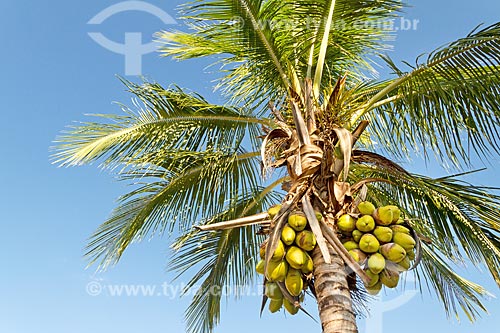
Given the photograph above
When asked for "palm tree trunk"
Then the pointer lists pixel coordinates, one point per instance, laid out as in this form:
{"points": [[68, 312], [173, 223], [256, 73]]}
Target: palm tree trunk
{"points": [[332, 292]]}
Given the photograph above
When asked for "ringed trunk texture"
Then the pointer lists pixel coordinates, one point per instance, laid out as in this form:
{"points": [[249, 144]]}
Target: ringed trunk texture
{"points": [[334, 298]]}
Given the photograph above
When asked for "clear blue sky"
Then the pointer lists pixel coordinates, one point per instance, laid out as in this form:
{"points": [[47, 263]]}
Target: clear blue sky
{"points": [[52, 73]]}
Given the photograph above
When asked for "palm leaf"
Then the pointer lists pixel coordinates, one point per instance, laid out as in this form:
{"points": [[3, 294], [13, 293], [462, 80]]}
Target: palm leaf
{"points": [[185, 159], [168, 119], [220, 259], [193, 186], [452, 290], [448, 105], [300, 25], [232, 28], [257, 41], [322, 50]]}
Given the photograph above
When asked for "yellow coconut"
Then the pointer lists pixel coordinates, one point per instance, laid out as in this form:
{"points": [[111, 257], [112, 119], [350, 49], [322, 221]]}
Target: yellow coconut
{"points": [[306, 240], [393, 252], [399, 228], [351, 245], [375, 289], [279, 253], [275, 305], [277, 270], [297, 220], [309, 266], [273, 291], [365, 223], [356, 235], [383, 215], [273, 211], [288, 235], [357, 255], [405, 263], [292, 309], [405, 240], [296, 257], [411, 254], [260, 267], [366, 208], [294, 282], [346, 223], [374, 278], [396, 213], [369, 243], [388, 278], [376, 263], [383, 234]]}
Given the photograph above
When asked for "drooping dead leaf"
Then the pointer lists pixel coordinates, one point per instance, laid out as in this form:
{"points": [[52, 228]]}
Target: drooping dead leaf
{"points": [[341, 190], [300, 125], [305, 161], [361, 156], [315, 227], [264, 297], [418, 249], [311, 157]]}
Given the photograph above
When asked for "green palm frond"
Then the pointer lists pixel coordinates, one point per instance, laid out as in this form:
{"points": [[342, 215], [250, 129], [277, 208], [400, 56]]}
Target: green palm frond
{"points": [[258, 41], [452, 289], [449, 105], [350, 43], [221, 259], [232, 28], [193, 185], [168, 119], [461, 221]]}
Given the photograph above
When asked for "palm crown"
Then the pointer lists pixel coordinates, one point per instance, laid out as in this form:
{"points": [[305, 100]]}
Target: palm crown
{"points": [[290, 67]]}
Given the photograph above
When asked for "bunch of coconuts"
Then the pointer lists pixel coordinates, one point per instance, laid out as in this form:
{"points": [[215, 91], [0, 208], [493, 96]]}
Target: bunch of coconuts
{"points": [[291, 262], [379, 242]]}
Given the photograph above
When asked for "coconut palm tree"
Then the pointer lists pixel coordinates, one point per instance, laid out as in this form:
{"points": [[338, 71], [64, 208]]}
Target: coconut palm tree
{"points": [[302, 100]]}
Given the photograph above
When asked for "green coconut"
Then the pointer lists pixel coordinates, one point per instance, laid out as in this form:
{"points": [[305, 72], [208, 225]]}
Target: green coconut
{"points": [[365, 223], [369, 243], [296, 257], [346, 223], [297, 220]]}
